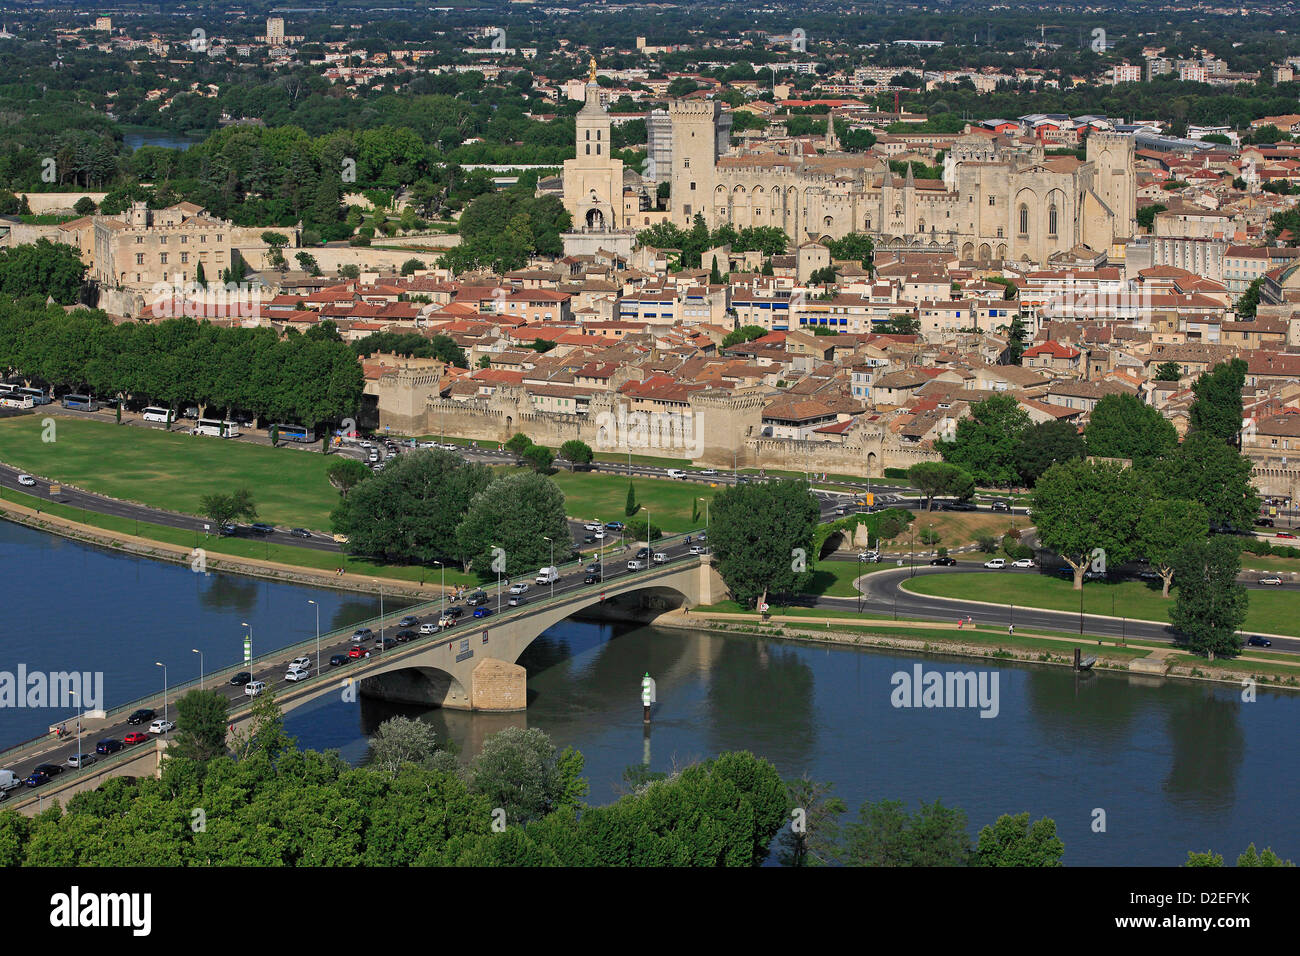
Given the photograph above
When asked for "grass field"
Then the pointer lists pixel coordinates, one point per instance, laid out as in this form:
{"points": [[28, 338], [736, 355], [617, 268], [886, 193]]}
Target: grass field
{"points": [[1272, 612], [604, 497]]}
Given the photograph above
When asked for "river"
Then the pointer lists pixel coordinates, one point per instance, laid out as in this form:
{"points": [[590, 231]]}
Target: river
{"points": [[1173, 765]]}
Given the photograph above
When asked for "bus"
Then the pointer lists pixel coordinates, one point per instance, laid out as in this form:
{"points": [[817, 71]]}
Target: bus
{"points": [[14, 400], [80, 401], [7, 387], [216, 427], [38, 395], [299, 433], [155, 414]]}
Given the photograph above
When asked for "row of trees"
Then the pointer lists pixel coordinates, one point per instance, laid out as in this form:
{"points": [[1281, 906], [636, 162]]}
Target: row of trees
{"points": [[309, 378]]}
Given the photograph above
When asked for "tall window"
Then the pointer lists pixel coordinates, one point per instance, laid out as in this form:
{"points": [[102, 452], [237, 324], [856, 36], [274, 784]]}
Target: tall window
{"points": [[1024, 219], [1051, 220]]}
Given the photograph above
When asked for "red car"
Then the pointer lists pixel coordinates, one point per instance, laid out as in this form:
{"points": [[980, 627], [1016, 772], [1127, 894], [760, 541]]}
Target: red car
{"points": [[135, 737], [1283, 534], [356, 651]]}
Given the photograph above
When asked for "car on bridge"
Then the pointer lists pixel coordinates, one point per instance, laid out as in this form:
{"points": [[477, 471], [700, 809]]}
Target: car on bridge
{"points": [[135, 737], [642, 552], [357, 652], [699, 549], [483, 611], [42, 774], [300, 663], [254, 687], [636, 565], [240, 679], [361, 635], [297, 674], [405, 635], [108, 746], [338, 660], [141, 716], [408, 621], [431, 627], [519, 587], [386, 643], [477, 599], [593, 578], [161, 726], [81, 760], [660, 557]]}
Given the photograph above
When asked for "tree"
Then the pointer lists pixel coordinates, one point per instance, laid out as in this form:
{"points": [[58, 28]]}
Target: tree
{"points": [[986, 442], [1122, 426], [345, 473], [401, 740], [762, 537], [1045, 443], [539, 457], [1217, 407], [411, 266], [815, 842], [715, 276], [885, 834], [938, 478], [855, 246], [412, 509], [518, 442], [898, 325], [746, 333], [1165, 528], [1085, 510], [350, 270], [224, 509], [200, 726], [1146, 216], [85, 206], [631, 507], [1205, 469], [1017, 337], [43, 268], [1252, 857], [576, 453], [1210, 605], [1014, 841], [276, 241], [521, 772], [516, 513], [307, 263], [1248, 303], [1168, 372]]}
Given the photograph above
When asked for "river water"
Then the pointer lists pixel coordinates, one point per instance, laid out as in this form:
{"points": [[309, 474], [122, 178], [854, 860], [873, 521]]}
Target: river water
{"points": [[1133, 770]]}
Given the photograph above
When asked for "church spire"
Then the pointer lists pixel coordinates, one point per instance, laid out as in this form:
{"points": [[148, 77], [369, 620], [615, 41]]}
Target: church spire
{"points": [[910, 181]]}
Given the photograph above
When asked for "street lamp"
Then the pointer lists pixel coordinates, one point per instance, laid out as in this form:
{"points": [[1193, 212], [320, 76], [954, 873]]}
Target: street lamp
{"points": [[858, 587], [912, 551], [442, 607], [317, 635], [195, 650], [552, 565], [77, 697], [164, 667]]}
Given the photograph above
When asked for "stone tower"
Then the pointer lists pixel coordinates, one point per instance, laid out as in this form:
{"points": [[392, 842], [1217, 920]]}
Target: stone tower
{"points": [[593, 180], [694, 150], [1115, 179]]}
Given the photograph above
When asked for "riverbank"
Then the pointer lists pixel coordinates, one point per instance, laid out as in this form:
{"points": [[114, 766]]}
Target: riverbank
{"points": [[202, 560], [991, 644]]}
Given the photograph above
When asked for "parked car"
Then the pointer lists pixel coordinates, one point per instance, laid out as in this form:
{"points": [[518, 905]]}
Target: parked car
{"points": [[1264, 522], [588, 539], [261, 527], [27, 480], [135, 737], [81, 760], [1149, 575], [240, 679], [141, 716], [1271, 579], [591, 527], [1256, 641], [997, 564], [944, 562], [337, 660], [1283, 534], [161, 726], [254, 687], [430, 628], [1023, 563], [614, 526], [300, 533], [408, 621], [109, 746], [483, 611]]}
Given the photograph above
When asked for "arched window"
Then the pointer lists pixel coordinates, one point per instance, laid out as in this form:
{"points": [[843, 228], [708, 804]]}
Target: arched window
{"points": [[588, 149], [1051, 219], [588, 134], [1024, 219]]}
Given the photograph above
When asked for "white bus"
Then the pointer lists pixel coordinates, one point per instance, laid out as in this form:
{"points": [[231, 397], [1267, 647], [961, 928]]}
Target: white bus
{"points": [[38, 395], [13, 400], [155, 414], [216, 427], [7, 387]]}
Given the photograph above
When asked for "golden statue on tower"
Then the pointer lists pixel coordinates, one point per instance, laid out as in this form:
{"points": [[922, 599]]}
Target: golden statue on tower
{"points": [[591, 77]]}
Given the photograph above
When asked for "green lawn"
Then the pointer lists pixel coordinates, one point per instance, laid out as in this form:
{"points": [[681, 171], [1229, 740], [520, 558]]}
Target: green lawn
{"points": [[604, 497], [1273, 612], [173, 470]]}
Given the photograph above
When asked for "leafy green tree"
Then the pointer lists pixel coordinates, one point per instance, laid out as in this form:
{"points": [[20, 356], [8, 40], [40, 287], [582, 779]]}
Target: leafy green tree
{"points": [[1210, 605], [814, 841], [518, 442], [1205, 469], [1017, 333], [855, 246], [200, 726], [1252, 857], [1123, 426], [1169, 372], [43, 268], [346, 473], [401, 740], [576, 453], [631, 507], [521, 772], [516, 512], [938, 478], [885, 834], [223, 509], [641, 529], [411, 266], [539, 457], [85, 206], [746, 333], [1216, 409], [1165, 528], [412, 509], [1248, 302], [1088, 509], [758, 532], [1014, 841], [1208, 858], [986, 442], [307, 263], [1146, 216], [1045, 443], [898, 325]]}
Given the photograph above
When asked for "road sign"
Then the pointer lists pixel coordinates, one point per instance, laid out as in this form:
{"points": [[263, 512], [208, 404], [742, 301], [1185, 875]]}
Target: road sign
{"points": [[248, 649], [763, 608], [871, 500]]}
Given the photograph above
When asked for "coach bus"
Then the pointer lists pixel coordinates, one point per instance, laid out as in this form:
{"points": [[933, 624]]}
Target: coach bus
{"points": [[216, 427], [156, 414], [84, 402], [38, 395], [14, 400], [298, 433]]}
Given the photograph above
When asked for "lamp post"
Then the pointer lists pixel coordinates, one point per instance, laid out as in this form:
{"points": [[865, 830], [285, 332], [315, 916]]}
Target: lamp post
{"points": [[164, 667], [317, 635], [856, 587], [381, 616], [195, 650], [912, 551], [442, 607], [1080, 608], [77, 697], [552, 564], [498, 585]]}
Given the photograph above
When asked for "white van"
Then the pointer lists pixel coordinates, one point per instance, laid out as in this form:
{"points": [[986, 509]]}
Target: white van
{"points": [[635, 565], [8, 780], [155, 414], [997, 564], [676, 473], [548, 575], [254, 687]]}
